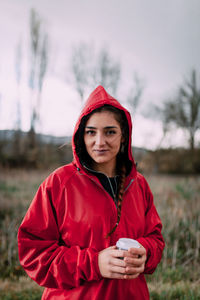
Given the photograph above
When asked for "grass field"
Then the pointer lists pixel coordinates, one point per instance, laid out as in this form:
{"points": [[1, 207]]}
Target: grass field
{"points": [[177, 199]]}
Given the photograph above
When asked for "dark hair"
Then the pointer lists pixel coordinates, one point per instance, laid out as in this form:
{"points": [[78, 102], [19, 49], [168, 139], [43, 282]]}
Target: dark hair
{"points": [[123, 163]]}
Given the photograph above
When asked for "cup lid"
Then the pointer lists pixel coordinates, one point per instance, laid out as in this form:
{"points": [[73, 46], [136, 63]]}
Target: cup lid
{"points": [[126, 243]]}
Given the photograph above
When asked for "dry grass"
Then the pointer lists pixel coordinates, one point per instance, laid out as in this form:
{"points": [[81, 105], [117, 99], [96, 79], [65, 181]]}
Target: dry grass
{"points": [[23, 283], [17, 187], [178, 202]]}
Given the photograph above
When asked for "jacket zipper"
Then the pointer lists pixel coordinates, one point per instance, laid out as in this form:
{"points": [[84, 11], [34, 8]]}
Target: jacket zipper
{"points": [[129, 185], [111, 187]]}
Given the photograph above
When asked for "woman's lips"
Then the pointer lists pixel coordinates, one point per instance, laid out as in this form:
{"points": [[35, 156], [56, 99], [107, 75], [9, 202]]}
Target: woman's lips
{"points": [[100, 151]]}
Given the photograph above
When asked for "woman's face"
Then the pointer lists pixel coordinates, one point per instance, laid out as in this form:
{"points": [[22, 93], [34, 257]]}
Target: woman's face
{"points": [[103, 137]]}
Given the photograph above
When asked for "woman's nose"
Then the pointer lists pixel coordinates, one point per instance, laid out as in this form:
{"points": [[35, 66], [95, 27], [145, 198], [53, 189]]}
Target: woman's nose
{"points": [[100, 139]]}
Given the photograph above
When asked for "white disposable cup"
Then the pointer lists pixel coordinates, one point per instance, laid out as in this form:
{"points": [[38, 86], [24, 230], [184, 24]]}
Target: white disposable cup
{"points": [[126, 243]]}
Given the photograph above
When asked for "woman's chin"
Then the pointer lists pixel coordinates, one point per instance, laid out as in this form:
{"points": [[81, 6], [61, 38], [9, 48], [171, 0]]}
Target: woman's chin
{"points": [[100, 160]]}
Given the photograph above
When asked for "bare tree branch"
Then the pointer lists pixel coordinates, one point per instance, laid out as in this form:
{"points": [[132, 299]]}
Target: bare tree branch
{"points": [[89, 71], [135, 93], [184, 109], [38, 64]]}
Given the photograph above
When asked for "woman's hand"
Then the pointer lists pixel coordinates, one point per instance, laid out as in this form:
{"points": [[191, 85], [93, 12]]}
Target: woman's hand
{"points": [[110, 264], [132, 264], [135, 259]]}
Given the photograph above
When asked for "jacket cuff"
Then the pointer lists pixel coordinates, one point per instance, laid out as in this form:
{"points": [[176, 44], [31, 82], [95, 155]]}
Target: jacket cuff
{"points": [[96, 266]]}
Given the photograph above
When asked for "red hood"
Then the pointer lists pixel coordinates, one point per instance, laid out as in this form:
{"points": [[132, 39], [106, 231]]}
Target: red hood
{"points": [[98, 98]]}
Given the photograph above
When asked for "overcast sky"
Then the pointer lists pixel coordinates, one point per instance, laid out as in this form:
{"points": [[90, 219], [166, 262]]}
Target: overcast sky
{"points": [[158, 40]]}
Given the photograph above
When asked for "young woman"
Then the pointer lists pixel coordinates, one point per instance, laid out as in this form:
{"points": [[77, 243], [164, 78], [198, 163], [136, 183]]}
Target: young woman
{"points": [[67, 238]]}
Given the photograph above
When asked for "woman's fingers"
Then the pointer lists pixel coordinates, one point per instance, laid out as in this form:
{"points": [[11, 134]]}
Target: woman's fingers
{"points": [[135, 261], [135, 256], [119, 253], [119, 270], [115, 275], [118, 262], [136, 251], [109, 262], [130, 270], [131, 276]]}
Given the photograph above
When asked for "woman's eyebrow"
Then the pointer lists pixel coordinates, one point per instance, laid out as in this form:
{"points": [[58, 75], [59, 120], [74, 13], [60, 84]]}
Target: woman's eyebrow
{"points": [[90, 127], [107, 127]]}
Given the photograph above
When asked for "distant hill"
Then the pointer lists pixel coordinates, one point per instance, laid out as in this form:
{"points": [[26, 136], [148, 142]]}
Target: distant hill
{"points": [[43, 138]]}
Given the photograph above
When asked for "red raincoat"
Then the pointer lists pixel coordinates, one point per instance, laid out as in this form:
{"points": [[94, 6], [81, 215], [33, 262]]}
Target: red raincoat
{"points": [[65, 227]]}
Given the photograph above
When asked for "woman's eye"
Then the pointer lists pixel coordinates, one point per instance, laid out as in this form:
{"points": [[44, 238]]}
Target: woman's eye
{"points": [[110, 132], [90, 132]]}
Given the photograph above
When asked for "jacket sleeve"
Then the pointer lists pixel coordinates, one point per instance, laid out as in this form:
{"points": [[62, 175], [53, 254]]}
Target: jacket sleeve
{"points": [[152, 240], [43, 255]]}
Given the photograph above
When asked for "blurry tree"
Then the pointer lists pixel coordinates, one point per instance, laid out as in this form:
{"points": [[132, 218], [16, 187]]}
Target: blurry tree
{"points": [[90, 70], [18, 62], [135, 93], [17, 135], [38, 66], [106, 71], [82, 68], [184, 109], [0, 100]]}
